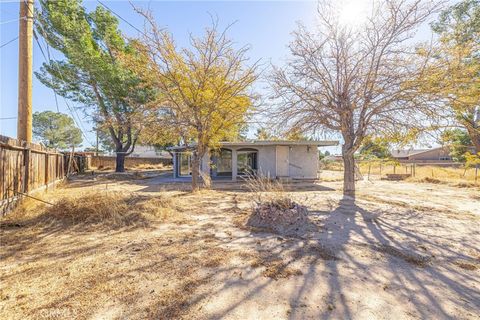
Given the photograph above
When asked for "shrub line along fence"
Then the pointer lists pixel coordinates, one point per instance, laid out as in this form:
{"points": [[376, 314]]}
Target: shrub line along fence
{"points": [[28, 167]]}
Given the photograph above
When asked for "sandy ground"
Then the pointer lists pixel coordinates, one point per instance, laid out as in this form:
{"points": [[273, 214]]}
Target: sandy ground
{"points": [[401, 250]]}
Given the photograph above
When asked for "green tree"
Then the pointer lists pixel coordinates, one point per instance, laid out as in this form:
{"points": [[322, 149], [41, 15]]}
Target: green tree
{"points": [[56, 130], [458, 141], [375, 147], [91, 72]]}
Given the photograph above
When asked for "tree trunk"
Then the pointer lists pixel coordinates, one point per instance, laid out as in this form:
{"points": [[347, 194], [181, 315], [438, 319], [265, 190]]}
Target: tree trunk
{"points": [[195, 171], [120, 162], [348, 174], [474, 134]]}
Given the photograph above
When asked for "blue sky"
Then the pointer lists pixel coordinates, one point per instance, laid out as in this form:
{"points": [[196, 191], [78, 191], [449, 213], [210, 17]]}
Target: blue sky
{"points": [[265, 25]]}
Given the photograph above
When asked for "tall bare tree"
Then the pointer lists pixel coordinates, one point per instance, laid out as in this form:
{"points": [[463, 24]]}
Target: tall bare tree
{"points": [[205, 90], [354, 79]]}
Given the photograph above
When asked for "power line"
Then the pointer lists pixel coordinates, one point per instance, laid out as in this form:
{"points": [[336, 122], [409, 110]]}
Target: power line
{"points": [[8, 118], [78, 123], [119, 16], [12, 20], [3, 45]]}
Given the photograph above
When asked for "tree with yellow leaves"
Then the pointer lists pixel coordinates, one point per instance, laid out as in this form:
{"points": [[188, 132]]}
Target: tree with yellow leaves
{"points": [[204, 92], [453, 74]]}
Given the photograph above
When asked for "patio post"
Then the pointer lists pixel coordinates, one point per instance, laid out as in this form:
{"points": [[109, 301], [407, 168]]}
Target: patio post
{"points": [[234, 165]]}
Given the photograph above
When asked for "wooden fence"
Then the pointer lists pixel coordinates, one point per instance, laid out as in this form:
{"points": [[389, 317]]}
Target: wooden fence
{"points": [[27, 167], [130, 162]]}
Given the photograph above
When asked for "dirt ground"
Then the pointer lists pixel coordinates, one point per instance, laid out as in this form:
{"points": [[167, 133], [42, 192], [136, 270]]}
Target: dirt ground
{"points": [[401, 250]]}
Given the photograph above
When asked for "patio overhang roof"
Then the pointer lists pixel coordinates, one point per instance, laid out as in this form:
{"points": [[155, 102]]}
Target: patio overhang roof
{"points": [[223, 144]]}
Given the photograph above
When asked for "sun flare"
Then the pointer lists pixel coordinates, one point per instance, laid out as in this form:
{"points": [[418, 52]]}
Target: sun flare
{"points": [[353, 12]]}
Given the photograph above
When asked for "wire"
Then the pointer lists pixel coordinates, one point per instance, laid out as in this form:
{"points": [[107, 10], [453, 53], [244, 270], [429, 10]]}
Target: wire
{"points": [[3, 45], [78, 123], [126, 21], [12, 20], [8, 118]]}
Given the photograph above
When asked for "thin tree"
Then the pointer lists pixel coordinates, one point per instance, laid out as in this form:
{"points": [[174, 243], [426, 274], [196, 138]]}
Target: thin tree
{"points": [[205, 90], [354, 80]]}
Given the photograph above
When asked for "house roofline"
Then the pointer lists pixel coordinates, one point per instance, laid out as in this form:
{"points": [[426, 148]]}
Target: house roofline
{"points": [[418, 152], [323, 143]]}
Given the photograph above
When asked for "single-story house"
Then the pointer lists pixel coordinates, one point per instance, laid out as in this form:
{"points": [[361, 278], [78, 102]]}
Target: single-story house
{"points": [[434, 154], [276, 159]]}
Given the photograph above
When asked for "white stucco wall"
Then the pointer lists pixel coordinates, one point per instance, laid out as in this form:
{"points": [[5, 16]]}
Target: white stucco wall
{"points": [[266, 160], [303, 162]]}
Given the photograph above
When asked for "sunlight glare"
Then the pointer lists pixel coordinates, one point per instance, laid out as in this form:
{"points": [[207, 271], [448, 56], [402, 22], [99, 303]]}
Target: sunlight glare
{"points": [[353, 12]]}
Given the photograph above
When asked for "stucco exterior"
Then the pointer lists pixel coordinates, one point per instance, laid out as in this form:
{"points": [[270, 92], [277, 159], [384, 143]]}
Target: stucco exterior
{"points": [[276, 159]]}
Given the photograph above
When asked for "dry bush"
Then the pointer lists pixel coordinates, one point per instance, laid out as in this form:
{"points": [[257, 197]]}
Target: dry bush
{"points": [[273, 208], [266, 190], [105, 208]]}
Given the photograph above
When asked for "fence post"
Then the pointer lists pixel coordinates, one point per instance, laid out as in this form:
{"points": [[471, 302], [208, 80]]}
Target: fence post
{"points": [[47, 169], [26, 181]]}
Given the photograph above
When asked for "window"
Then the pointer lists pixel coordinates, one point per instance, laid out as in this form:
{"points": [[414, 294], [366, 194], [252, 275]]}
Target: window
{"points": [[184, 166], [246, 161], [224, 162]]}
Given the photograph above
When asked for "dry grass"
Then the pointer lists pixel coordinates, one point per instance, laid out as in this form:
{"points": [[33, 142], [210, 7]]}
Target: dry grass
{"points": [[458, 177], [406, 255], [278, 270], [274, 267], [466, 265], [106, 208], [266, 191], [149, 166]]}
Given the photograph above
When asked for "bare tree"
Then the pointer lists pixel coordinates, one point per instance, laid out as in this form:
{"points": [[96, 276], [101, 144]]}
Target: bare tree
{"points": [[205, 90], [355, 80]]}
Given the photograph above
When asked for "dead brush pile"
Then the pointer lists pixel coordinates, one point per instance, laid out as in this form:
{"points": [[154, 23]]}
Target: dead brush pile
{"points": [[109, 209], [273, 208]]}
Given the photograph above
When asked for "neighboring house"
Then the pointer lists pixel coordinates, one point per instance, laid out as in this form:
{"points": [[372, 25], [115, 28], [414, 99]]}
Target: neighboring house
{"points": [[149, 152], [276, 159], [333, 157], [435, 154]]}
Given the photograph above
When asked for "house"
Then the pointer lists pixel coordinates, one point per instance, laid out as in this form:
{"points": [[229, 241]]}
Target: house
{"points": [[276, 159], [145, 151], [435, 154]]}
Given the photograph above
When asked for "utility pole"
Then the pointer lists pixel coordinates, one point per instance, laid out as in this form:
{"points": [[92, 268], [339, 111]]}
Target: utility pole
{"points": [[25, 57]]}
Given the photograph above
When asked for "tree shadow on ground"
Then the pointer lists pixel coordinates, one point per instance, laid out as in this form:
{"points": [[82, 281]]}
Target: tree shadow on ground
{"points": [[348, 227], [200, 258]]}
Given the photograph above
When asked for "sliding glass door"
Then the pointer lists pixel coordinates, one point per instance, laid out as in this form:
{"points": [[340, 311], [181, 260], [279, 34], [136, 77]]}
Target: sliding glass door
{"points": [[184, 164]]}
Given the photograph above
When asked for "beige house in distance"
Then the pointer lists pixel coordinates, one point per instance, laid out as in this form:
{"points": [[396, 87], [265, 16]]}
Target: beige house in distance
{"points": [[434, 154], [276, 159]]}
